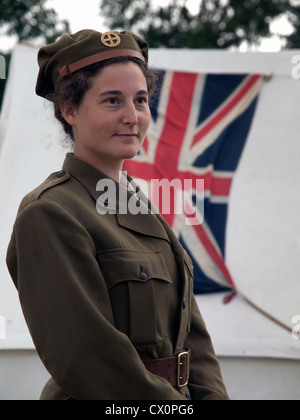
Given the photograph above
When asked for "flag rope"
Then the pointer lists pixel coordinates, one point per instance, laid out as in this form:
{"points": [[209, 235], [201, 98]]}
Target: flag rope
{"points": [[272, 318]]}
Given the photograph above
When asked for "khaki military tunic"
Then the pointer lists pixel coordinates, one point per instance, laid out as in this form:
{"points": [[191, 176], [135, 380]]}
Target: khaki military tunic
{"points": [[101, 293]]}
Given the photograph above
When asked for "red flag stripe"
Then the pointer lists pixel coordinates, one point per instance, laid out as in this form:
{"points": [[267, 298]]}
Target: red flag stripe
{"points": [[211, 250], [226, 109]]}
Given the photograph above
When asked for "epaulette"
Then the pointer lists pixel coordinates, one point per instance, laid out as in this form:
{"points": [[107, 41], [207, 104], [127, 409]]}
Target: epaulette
{"points": [[53, 180]]}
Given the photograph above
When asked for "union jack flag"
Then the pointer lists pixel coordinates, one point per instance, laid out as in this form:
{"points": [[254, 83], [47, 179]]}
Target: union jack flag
{"points": [[200, 124]]}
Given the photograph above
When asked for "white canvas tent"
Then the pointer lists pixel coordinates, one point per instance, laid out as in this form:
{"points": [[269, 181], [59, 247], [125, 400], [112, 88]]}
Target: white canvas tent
{"points": [[259, 359]]}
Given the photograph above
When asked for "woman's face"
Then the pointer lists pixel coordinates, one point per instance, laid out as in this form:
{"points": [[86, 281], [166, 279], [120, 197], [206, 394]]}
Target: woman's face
{"points": [[111, 123]]}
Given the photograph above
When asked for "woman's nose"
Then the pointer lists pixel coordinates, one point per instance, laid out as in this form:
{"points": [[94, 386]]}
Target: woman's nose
{"points": [[130, 114]]}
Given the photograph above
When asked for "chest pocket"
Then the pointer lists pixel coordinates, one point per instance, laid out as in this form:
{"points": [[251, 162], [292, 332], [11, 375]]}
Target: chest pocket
{"points": [[138, 283]]}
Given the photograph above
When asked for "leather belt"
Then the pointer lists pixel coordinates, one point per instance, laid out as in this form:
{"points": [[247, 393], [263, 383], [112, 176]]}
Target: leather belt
{"points": [[175, 370]]}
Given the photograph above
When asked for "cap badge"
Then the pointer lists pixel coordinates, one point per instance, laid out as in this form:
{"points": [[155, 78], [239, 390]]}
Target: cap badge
{"points": [[111, 39]]}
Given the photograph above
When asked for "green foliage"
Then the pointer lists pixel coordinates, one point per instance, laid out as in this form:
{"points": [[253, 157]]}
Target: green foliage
{"points": [[216, 24], [30, 19]]}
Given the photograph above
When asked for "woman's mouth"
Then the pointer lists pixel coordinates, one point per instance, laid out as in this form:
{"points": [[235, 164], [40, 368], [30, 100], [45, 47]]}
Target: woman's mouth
{"points": [[127, 135]]}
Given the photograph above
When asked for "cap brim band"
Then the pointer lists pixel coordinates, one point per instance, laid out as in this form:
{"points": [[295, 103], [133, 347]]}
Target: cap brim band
{"points": [[68, 70]]}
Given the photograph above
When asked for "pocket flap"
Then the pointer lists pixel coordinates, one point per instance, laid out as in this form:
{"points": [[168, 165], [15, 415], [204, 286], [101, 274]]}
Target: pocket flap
{"points": [[121, 265]]}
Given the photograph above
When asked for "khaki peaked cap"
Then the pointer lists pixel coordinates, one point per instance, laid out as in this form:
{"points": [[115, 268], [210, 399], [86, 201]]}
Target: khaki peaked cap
{"points": [[73, 52]]}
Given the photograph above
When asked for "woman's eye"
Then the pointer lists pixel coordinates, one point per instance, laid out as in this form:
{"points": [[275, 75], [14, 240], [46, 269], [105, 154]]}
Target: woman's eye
{"points": [[142, 101], [117, 101], [112, 101]]}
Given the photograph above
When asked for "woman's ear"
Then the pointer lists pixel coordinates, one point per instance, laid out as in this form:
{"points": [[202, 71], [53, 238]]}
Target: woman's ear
{"points": [[68, 112]]}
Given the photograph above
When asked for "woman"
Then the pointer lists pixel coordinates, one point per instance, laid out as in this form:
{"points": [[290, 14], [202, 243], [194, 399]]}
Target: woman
{"points": [[107, 296]]}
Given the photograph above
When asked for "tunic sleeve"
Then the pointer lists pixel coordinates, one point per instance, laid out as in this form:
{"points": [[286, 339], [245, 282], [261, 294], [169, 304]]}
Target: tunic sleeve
{"points": [[206, 382], [52, 260]]}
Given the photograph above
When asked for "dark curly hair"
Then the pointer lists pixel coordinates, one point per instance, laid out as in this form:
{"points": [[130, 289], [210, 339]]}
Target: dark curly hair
{"points": [[73, 89]]}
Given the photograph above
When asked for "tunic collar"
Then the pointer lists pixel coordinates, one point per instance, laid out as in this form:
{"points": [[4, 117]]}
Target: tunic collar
{"points": [[148, 224]]}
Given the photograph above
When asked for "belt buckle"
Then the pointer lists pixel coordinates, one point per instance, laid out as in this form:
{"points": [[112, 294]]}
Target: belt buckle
{"points": [[179, 377]]}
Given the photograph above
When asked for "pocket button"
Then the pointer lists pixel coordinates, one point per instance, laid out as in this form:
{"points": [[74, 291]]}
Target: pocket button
{"points": [[143, 276]]}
